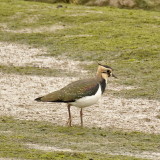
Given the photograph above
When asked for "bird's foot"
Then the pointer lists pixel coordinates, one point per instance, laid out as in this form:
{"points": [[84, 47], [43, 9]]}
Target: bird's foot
{"points": [[68, 123]]}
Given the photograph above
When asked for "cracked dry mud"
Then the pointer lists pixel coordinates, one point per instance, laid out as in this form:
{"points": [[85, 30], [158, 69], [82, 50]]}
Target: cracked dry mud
{"points": [[18, 92]]}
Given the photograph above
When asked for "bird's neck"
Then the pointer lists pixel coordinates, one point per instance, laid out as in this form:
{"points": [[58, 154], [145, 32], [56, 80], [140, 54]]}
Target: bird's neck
{"points": [[102, 81], [101, 78]]}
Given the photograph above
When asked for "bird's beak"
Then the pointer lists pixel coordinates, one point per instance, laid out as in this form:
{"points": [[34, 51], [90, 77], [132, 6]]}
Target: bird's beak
{"points": [[114, 75]]}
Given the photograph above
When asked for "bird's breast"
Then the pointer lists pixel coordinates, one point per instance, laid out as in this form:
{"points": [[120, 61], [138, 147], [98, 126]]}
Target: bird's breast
{"points": [[88, 100]]}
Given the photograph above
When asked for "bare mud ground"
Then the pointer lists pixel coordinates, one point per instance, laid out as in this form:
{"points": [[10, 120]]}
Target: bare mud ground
{"points": [[18, 92]]}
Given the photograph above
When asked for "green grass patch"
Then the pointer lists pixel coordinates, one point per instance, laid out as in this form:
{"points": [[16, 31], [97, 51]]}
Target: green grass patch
{"points": [[127, 40], [86, 143], [28, 70]]}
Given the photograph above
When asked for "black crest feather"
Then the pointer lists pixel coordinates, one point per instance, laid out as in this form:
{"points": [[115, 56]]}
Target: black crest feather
{"points": [[106, 66]]}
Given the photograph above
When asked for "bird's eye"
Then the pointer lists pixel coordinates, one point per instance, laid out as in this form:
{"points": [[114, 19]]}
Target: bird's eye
{"points": [[108, 71]]}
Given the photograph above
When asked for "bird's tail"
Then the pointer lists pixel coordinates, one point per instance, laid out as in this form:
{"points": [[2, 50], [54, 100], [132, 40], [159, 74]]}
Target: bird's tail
{"points": [[51, 97], [38, 99]]}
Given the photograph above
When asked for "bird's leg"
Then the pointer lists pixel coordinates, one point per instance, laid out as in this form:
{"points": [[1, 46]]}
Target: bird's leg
{"points": [[81, 115], [69, 112]]}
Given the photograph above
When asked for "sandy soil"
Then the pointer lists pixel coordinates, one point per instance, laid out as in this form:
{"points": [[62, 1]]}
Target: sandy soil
{"points": [[18, 92], [23, 55]]}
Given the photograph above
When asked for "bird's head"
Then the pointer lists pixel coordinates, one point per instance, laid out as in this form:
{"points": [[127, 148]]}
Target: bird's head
{"points": [[105, 71]]}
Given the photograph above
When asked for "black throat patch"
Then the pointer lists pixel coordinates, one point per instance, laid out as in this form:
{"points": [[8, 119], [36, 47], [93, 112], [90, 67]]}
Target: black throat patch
{"points": [[103, 85]]}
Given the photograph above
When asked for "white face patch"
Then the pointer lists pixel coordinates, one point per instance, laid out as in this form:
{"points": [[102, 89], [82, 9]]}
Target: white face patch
{"points": [[88, 100]]}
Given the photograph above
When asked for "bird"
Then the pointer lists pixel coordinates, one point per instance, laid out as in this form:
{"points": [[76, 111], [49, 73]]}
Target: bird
{"points": [[81, 93]]}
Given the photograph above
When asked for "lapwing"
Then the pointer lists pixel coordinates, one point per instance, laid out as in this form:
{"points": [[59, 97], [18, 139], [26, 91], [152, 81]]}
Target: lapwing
{"points": [[81, 93]]}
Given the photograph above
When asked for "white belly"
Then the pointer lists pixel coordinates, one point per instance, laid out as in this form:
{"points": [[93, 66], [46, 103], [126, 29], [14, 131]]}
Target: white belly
{"points": [[88, 100]]}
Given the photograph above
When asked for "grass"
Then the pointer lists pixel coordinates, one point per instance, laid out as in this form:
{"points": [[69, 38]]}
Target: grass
{"points": [[86, 144], [127, 40], [29, 70]]}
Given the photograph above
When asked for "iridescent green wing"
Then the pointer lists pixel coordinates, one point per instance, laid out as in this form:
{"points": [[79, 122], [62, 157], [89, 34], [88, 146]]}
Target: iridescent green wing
{"points": [[79, 89]]}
